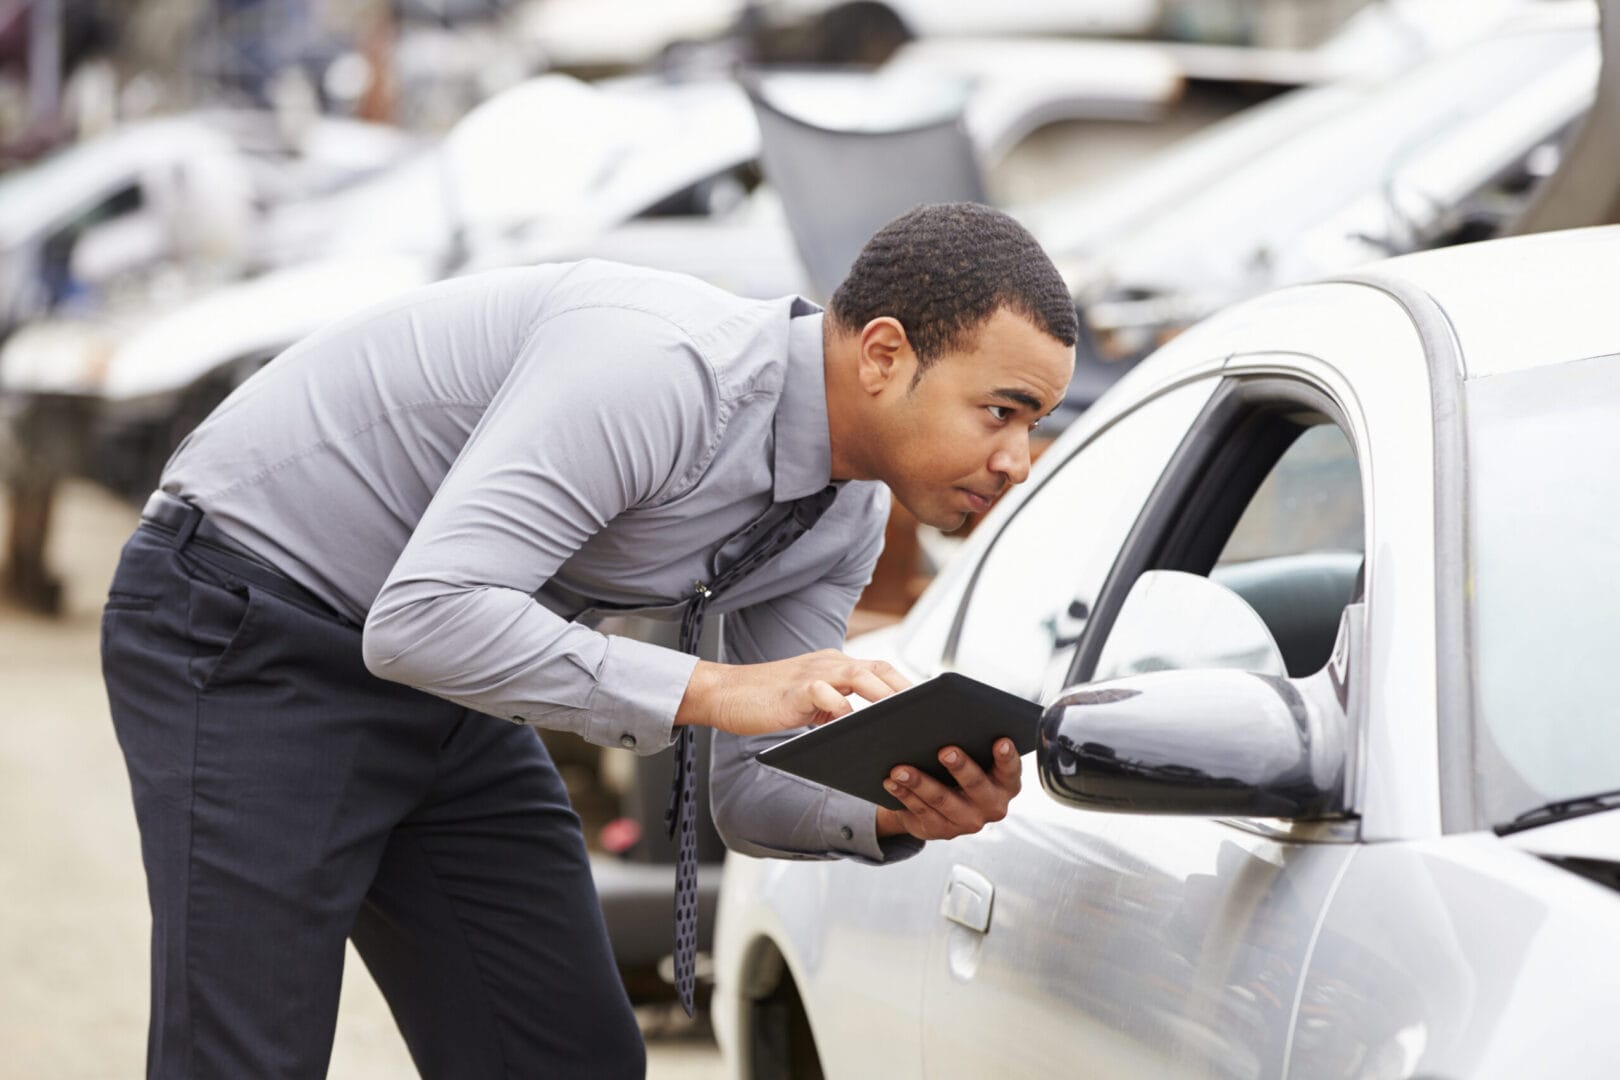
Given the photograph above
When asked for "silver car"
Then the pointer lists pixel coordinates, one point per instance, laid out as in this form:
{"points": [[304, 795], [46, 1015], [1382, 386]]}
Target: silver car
{"points": [[1320, 600]]}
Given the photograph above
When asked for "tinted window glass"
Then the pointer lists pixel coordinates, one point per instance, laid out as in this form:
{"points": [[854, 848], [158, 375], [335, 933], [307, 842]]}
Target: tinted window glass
{"points": [[1039, 579], [1545, 536], [1293, 556], [1309, 502], [1296, 553]]}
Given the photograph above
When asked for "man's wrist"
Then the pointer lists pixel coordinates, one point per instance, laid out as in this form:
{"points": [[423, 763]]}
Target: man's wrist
{"points": [[698, 703], [888, 823]]}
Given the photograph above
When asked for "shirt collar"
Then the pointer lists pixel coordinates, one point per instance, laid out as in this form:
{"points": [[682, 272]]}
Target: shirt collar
{"points": [[802, 463]]}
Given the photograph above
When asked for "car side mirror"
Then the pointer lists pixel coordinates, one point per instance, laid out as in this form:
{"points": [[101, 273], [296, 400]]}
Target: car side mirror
{"points": [[1207, 742], [1210, 742]]}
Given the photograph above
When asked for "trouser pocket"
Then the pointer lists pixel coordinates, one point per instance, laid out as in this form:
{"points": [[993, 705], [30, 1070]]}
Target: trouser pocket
{"points": [[222, 617]]}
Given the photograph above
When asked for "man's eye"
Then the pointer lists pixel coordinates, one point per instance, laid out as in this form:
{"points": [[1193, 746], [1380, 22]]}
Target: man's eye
{"points": [[1000, 412]]}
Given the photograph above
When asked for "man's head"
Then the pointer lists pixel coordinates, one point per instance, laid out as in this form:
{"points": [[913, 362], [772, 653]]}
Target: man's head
{"points": [[951, 337]]}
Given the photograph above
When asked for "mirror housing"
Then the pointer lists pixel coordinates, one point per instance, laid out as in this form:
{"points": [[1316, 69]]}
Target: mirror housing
{"points": [[1218, 743]]}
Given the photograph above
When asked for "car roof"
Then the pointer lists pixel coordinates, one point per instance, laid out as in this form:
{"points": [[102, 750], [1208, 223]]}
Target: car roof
{"points": [[1512, 305], [1522, 302]]}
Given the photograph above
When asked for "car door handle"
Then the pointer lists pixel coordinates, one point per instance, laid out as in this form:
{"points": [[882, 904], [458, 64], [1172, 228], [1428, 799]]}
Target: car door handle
{"points": [[968, 899]]}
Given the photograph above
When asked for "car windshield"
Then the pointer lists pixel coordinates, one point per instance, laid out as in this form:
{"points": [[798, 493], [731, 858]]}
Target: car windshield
{"points": [[1545, 586]]}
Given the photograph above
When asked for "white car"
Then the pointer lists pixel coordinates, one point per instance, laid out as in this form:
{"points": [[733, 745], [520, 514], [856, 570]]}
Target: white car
{"points": [[1448, 151], [185, 192], [1320, 601]]}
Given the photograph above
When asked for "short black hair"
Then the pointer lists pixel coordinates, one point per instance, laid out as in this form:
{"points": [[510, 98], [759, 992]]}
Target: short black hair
{"points": [[943, 269]]}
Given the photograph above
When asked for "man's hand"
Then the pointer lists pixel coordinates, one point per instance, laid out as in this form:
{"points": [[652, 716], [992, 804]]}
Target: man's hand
{"points": [[755, 699], [937, 812]]}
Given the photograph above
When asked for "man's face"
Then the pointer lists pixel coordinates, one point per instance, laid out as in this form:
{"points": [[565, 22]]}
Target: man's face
{"points": [[960, 437]]}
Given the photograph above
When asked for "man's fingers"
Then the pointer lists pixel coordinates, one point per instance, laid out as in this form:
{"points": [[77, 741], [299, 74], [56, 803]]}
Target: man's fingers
{"points": [[1009, 769], [870, 686], [946, 801], [926, 823], [988, 794], [890, 675], [969, 777], [827, 700]]}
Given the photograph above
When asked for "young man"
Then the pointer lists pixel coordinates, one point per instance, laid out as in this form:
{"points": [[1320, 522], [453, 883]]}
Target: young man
{"points": [[393, 542]]}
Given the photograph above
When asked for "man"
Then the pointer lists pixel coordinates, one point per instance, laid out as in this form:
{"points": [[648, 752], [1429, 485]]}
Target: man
{"points": [[405, 526]]}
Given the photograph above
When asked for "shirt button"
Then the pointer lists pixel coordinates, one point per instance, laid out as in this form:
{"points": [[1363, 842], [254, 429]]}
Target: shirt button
{"points": [[846, 832], [627, 741]]}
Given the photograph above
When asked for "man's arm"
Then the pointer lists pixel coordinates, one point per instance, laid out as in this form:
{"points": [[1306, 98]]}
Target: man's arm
{"points": [[761, 811], [765, 812], [606, 409], [603, 411]]}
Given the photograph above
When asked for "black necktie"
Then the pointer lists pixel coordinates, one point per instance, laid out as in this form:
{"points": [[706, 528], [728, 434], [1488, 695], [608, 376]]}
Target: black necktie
{"points": [[764, 541]]}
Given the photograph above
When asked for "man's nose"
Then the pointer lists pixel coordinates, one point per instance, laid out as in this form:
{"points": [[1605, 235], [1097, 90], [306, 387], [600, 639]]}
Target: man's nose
{"points": [[1012, 461]]}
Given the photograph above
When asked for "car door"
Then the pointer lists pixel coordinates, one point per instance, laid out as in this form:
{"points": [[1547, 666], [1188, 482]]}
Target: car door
{"points": [[862, 934], [1075, 942]]}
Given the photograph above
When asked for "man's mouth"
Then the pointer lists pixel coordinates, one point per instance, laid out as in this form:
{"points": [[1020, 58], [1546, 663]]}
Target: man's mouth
{"points": [[977, 503]]}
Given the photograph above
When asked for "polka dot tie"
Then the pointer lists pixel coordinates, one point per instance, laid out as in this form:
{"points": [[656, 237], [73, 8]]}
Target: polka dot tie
{"points": [[765, 539]]}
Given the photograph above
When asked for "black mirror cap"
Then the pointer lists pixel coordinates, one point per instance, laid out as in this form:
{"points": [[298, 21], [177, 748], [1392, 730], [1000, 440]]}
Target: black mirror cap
{"points": [[1209, 743]]}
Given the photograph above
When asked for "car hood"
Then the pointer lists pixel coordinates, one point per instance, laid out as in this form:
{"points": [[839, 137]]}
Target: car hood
{"points": [[1233, 211]]}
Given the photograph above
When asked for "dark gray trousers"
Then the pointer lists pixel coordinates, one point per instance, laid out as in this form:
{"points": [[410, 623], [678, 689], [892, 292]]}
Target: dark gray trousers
{"points": [[287, 800]]}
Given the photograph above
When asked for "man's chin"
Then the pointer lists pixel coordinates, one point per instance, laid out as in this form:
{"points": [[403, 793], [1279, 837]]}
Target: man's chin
{"points": [[946, 519]]}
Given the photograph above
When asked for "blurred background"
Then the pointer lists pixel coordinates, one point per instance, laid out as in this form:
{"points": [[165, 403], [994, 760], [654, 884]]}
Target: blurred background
{"points": [[188, 186]]}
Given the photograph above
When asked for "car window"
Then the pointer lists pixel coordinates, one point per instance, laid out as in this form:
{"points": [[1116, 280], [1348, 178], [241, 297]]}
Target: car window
{"points": [[1295, 552], [1310, 501], [1035, 587], [1543, 582], [56, 253]]}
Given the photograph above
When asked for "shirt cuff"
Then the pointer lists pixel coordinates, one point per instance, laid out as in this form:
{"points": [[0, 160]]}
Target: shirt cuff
{"points": [[639, 688], [849, 828]]}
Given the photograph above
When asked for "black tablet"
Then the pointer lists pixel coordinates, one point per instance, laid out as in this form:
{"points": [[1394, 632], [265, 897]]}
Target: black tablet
{"points": [[855, 753]]}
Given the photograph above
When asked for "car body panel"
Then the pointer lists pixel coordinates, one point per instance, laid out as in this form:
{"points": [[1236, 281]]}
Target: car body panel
{"points": [[1462, 958], [1486, 288], [1192, 934]]}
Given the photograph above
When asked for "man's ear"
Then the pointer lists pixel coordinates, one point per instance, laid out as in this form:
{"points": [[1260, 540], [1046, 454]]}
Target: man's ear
{"points": [[883, 355]]}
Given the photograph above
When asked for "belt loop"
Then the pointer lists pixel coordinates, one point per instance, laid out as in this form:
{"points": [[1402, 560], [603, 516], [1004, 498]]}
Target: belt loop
{"points": [[188, 528]]}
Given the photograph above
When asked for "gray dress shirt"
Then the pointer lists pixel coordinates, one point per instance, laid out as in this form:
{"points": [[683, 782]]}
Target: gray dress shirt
{"points": [[481, 469]]}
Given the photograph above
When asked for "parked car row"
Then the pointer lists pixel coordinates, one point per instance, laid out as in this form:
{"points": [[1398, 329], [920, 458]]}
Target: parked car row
{"points": [[125, 378], [665, 173]]}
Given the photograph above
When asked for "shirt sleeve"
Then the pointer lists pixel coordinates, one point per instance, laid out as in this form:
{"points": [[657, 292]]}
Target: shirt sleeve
{"points": [[765, 812], [604, 410]]}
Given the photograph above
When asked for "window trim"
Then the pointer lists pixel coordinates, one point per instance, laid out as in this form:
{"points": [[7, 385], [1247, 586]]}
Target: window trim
{"points": [[1453, 630]]}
